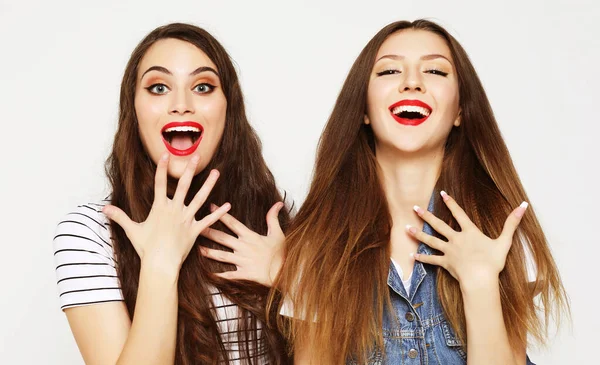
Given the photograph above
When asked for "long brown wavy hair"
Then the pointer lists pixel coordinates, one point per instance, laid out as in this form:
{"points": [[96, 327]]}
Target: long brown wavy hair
{"points": [[246, 182], [337, 248]]}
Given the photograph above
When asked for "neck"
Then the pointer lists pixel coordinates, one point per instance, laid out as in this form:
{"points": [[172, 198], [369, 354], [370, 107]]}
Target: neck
{"points": [[408, 180]]}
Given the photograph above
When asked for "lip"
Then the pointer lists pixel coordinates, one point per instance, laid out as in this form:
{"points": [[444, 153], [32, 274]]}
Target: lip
{"points": [[410, 122], [187, 151]]}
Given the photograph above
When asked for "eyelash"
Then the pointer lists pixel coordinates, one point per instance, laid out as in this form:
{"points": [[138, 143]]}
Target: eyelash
{"points": [[431, 71], [153, 86], [434, 71], [387, 72], [210, 88]]}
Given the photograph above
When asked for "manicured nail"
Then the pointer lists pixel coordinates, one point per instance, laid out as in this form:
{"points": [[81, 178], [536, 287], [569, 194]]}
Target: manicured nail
{"points": [[411, 229], [444, 195], [521, 209], [418, 210]]}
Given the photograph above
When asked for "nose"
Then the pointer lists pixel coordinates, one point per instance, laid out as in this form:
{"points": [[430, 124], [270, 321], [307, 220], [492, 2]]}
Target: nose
{"points": [[181, 103], [412, 81]]}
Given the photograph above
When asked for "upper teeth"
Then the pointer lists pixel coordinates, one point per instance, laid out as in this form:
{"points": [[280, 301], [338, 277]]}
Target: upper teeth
{"points": [[183, 129], [411, 108]]}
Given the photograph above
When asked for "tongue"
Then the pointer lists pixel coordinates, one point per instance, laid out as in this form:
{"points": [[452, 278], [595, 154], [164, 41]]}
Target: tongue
{"points": [[182, 142]]}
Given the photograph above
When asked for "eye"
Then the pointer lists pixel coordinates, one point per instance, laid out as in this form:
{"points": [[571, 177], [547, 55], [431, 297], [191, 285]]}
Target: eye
{"points": [[158, 89], [388, 72], [436, 72], [204, 88]]}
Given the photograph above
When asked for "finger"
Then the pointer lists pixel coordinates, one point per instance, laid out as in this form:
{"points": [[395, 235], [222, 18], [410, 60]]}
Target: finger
{"points": [[273, 226], [160, 179], [210, 219], [436, 260], [427, 239], [204, 191], [120, 217], [236, 226], [513, 220], [230, 275], [185, 180], [437, 224], [457, 212], [219, 255], [221, 237]]}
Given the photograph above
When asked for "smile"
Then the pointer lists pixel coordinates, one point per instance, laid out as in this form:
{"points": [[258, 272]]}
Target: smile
{"points": [[182, 138], [410, 112]]}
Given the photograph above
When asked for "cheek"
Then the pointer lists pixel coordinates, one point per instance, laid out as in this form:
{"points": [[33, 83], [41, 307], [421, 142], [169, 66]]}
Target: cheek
{"points": [[214, 111], [147, 112], [377, 95], [449, 95]]}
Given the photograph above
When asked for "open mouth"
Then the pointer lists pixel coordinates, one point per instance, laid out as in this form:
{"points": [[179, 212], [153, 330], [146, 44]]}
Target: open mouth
{"points": [[410, 112], [182, 138]]}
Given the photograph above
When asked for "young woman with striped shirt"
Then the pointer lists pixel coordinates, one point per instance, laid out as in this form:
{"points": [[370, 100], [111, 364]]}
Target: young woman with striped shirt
{"points": [[133, 282]]}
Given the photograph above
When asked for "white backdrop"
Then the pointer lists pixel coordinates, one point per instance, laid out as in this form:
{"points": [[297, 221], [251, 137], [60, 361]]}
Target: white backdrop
{"points": [[60, 69]]}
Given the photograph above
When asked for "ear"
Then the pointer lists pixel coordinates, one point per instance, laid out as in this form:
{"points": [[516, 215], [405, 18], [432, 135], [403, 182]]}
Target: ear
{"points": [[366, 120], [458, 119]]}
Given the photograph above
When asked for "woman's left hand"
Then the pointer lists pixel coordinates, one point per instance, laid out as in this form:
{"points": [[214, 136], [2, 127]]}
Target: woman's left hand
{"points": [[470, 256], [258, 258]]}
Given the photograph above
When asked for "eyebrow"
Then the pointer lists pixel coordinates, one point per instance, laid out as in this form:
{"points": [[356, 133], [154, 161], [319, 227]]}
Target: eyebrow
{"points": [[193, 73], [425, 58]]}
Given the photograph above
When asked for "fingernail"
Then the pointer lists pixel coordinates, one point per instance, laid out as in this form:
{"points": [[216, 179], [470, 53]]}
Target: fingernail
{"points": [[521, 210], [213, 207], [165, 156], [280, 205], [106, 209], [411, 229], [418, 210], [195, 159], [227, 206], [444, 195]]}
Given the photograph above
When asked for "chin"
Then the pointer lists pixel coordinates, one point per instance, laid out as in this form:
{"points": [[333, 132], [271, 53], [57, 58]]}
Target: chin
{"points": [[176, 169]]}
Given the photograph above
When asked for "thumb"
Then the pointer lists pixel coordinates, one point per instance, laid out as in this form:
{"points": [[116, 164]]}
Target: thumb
{"points": [[273, 226], [513, 220], [120, 217]]}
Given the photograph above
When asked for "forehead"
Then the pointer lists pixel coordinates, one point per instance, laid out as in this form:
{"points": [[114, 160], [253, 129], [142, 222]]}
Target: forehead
{"points": [[176, 55], [414, 43]]}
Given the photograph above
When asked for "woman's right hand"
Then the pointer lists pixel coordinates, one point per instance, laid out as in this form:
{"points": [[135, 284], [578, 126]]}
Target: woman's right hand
{"points": [[170, 230]]}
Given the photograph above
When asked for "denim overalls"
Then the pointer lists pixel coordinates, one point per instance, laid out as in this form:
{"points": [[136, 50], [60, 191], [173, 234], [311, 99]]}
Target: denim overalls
{"points": [[417, 333]]}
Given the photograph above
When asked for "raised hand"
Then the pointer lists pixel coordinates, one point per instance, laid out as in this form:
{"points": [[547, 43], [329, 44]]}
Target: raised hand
{"points": [[258, 258], [170, 230], [469, 255]]}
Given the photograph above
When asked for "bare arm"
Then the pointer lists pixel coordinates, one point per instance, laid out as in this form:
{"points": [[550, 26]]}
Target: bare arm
{"points": [[153, 333], [487, 339]]}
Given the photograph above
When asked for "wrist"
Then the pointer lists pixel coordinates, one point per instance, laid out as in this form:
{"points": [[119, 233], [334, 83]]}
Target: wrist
{"points": [[159, 266], [482, 282]]}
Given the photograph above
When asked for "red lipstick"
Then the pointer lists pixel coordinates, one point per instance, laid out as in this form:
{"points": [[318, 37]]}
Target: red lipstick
{"points": [[410, 112], [184, 134]]}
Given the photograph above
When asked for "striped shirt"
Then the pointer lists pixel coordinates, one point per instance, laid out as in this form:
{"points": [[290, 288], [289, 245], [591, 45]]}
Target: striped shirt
{"points": [[86, 273]]}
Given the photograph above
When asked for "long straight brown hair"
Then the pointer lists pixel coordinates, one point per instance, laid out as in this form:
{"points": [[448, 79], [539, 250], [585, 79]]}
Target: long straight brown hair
{"points": [[338, 252], [245, 181]]}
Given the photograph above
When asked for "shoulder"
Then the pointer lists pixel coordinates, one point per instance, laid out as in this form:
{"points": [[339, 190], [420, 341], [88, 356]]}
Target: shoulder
{"points": [[84, 257]]}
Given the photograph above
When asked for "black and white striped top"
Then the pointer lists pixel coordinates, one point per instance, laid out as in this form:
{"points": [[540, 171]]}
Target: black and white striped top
{"points": [[86, 273]]}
